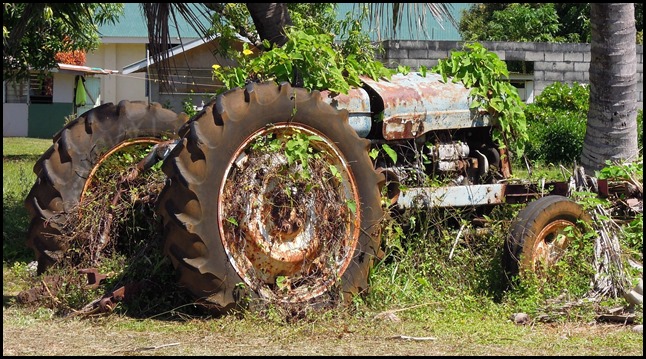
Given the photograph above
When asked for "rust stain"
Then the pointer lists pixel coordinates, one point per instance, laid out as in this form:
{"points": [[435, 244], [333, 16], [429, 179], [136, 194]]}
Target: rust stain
{"points": [[402, 128]]}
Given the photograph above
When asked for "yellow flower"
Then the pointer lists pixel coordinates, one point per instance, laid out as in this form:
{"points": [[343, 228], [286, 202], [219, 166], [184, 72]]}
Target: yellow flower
{"points": [[216, 67], [247, 52]]}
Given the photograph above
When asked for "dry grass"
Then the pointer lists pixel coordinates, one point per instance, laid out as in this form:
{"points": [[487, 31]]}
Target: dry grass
{"points": [[37, 333]]}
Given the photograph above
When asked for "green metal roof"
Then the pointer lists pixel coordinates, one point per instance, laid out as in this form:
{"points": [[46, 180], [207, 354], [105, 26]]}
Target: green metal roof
{"points": [[133, 24]]}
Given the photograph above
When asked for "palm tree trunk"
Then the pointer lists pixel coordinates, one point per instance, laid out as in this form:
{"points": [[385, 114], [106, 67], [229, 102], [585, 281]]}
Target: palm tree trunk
{"points": [[611, 132], [270, 20]]}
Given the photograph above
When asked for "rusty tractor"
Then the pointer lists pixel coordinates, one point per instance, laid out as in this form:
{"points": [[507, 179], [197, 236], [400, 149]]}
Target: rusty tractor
{"points": [[276, 192]]}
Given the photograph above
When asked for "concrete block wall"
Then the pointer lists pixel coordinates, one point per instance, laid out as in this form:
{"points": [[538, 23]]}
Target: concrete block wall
{"points": [[567, 63]]}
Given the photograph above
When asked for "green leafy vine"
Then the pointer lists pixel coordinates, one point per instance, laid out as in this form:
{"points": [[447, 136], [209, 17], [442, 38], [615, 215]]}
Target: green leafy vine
{"points": [[484, 73], [321, 63]]}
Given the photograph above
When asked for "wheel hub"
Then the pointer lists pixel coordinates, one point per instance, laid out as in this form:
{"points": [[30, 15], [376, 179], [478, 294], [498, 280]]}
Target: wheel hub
{"points": [[285, 219], [551, 243]]}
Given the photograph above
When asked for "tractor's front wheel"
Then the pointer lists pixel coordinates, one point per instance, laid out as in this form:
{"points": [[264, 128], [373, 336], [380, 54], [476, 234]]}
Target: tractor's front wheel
{"points": [[541, 234]]}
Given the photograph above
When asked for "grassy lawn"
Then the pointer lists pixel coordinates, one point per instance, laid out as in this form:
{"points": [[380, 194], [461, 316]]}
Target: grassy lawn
{"points": [[24, 146]]}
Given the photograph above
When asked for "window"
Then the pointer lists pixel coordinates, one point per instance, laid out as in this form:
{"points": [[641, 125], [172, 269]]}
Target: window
{"points": [[524, 85], [16, 92], [41, 88], [521, 75]]}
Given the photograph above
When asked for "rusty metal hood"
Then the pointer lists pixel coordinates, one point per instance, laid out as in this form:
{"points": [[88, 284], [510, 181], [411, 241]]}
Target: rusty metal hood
{"points": [[414, 104]]}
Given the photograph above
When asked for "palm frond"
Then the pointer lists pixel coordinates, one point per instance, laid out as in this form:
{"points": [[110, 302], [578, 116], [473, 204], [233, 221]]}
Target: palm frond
{"points": [[392, 16], [158, 18]]}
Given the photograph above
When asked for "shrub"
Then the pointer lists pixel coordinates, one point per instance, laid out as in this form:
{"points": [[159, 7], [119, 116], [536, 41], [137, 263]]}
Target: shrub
{"points": [[563, 97], [563, 139], [556, 123]]}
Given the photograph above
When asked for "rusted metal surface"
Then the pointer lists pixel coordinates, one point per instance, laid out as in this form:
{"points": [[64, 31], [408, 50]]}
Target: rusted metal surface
{"points": [[505, 164], [94, 278], [288, 239], [452, 196], [551, 243], [479, 195], [122, 145], [357, 102], [414, 105], [128, 292], [47, 288], [523, 193]]}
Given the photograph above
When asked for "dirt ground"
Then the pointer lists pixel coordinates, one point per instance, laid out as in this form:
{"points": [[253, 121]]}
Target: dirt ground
{"points": [[28, 335]]}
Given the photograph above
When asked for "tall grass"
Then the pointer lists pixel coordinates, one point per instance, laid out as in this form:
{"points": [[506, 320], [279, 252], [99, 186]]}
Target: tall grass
{"points": [[436, 261]]}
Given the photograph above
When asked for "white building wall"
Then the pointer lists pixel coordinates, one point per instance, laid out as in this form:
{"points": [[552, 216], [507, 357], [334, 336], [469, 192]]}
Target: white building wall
{"points": [[14, 120], [63, 88], [117, 87]]}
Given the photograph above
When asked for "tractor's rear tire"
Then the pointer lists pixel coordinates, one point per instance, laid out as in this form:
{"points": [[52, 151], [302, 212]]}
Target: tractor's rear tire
{"points": [[65, 168], [538, 235], [243, 222]]}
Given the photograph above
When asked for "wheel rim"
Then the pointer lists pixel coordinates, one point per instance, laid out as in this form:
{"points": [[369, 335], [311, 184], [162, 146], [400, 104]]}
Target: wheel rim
{"points": [[99, 180], [551, 243], [89, 182], [289, 212]]}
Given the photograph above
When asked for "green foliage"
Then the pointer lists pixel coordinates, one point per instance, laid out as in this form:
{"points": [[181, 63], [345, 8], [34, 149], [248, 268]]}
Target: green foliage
{"points": [[561, 96], [523, 23], [484, 73], [14, 223], [390, 152], [539, 22], [319, 15], [433, 256], [574, 22], [33, 33], [564, 283], [556, 123], [188, 107], [631, 172], [639, 16], [233, 20], [24, 148], [321, 63], [634, 234], [19, 156], [298, 150], [622, 171], [533, 22], [560, 141]]}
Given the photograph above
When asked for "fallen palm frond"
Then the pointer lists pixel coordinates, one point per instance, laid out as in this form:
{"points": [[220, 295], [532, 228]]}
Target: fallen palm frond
{"points": [[612, 278]]}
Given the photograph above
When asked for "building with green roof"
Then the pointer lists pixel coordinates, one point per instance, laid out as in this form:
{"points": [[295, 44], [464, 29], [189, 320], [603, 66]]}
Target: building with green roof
{"points": [[125, 43]]}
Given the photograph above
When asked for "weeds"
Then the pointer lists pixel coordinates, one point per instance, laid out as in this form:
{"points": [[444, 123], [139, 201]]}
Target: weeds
{"points": [[114, 230], [435, 261]]}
